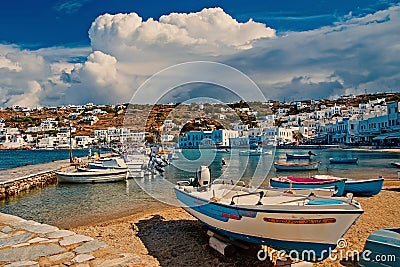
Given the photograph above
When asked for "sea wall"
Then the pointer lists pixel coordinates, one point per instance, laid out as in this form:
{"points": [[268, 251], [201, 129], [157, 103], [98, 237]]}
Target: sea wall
{"points": [[14, 187]]}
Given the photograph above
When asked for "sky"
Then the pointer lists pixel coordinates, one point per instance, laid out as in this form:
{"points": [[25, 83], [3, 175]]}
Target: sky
{"points": [[79, 51]]}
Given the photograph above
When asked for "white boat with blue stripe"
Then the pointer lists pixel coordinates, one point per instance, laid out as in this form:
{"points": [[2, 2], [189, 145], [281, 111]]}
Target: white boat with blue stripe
{"points": [[308, 224]]}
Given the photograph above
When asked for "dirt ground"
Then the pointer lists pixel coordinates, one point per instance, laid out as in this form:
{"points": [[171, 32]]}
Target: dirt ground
{"points": [[171, 237]]}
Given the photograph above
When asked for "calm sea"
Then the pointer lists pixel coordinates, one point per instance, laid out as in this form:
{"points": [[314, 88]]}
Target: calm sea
{"points": [[15, 158], [74, 204]]}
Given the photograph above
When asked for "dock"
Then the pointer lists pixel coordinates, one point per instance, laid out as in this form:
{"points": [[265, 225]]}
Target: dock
{"points": [[16, 180]]}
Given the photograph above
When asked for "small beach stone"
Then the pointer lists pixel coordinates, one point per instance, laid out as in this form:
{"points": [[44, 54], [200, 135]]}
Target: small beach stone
{"points": [[6, 229], [40, 228], [29, 252], [61, 257], [20, 238], [59, 234], [74, 239], [37, 240], [23, 264], [21, 245], [90, 247], [82, 258], [10, 219], [3, 235], [24, 224], [122, 260]]}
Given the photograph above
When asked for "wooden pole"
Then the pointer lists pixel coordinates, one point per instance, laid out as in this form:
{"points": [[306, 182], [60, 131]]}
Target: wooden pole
{"points": [[70, 143]]}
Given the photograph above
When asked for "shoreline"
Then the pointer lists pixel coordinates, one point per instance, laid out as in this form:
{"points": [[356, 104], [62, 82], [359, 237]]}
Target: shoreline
{"points": [[171, 237]]}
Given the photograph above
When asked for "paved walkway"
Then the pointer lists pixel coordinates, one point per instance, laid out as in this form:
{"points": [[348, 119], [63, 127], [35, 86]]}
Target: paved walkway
{"points": [[28, 243], [10, 175]]}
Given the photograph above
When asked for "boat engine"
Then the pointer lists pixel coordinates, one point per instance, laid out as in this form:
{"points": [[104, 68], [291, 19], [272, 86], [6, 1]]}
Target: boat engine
{"points": [[203, 175]]}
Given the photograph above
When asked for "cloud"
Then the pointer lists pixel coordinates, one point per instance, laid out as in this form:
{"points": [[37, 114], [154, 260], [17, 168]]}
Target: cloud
{"points": [[355, 54], [70, 6], [210, 31]]}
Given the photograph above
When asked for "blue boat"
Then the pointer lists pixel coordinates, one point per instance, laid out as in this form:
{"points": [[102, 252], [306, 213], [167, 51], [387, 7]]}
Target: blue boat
{"points": [[298, 156], [382, 248], [367, 187], [343, 160], [308, 183], [364, 187]]}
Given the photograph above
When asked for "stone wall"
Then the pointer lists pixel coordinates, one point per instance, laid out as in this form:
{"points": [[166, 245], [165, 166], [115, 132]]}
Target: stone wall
{"points": [[22, 184]]}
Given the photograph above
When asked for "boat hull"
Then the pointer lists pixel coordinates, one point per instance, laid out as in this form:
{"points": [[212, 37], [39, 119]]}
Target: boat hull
{"points": [[92, 176], [343, 160], [300, 230], [364, 187], [296, 167], [383, 244], [297, 156], [339, 185]]}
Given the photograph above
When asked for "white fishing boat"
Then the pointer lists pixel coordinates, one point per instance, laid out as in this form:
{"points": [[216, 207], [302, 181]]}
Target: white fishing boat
{"points": [[269, 217], [92, 176], [108, 163]]}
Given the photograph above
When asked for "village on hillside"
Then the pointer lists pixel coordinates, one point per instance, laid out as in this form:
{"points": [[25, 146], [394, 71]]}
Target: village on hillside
{"points": [[364, 120]]}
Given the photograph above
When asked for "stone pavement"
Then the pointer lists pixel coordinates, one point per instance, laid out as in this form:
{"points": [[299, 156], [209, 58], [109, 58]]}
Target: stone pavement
{"points": [[14, 174], [31, 244]]}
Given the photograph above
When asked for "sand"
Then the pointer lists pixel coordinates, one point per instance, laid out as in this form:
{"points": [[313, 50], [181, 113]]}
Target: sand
{"points": [[171, 237]]}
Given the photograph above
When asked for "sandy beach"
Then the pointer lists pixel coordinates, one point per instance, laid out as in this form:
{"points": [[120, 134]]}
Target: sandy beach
{"points": [[172, 237]]}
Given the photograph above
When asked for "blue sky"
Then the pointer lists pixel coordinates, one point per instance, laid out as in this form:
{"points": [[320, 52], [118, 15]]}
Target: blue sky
{"points": [[44, 23], [68, 51]]}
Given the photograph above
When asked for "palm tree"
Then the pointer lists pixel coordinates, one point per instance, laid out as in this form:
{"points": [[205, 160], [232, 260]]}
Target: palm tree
{"points": [[298, 136]]}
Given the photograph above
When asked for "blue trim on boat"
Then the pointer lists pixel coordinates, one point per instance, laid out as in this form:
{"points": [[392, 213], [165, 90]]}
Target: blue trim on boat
{"points": [[364, 187], [382, 242]]}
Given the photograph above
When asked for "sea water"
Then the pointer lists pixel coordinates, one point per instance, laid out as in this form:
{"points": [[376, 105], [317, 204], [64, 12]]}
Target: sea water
{"points": [[74, 204]]}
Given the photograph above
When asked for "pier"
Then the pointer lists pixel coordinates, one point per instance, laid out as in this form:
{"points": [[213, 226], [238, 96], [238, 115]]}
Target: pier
{"points": [[16, 180]]}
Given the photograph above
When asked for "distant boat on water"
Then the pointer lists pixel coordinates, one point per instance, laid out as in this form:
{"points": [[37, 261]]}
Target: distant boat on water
{"points": [[395, 164], [340, 160], [254, 152], [283, 166], [300, 156]]}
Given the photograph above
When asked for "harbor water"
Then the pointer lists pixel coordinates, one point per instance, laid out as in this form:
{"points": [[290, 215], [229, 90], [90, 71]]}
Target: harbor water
{"points": [[68, 205]]}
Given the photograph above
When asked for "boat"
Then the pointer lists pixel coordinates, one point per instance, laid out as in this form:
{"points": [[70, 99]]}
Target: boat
{"points": [[308, 183], [222, 150], [365, 187], [395, 164], [92, 176], [288, 222], [254, 152], [382, 248], [339, 160], [282, 166], [108, 163], [298, 156]]}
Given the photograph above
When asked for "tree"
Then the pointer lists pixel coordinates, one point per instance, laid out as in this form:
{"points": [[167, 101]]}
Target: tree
{"points": [[298, 136]]}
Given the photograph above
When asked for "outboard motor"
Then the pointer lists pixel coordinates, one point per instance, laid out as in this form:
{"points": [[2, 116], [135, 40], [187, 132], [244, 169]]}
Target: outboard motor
{"points": [[203, 176]]}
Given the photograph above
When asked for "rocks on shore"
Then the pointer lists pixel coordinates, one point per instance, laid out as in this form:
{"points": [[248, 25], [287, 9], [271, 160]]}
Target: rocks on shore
{"points": [[28, 243]]}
